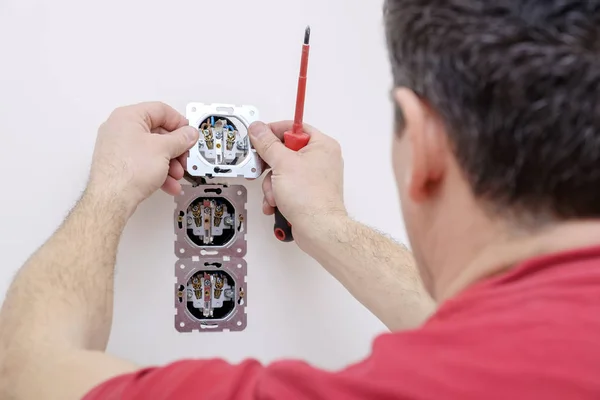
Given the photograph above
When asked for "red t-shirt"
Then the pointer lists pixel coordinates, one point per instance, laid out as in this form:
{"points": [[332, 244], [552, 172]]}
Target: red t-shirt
{"points": [[533, 333]]}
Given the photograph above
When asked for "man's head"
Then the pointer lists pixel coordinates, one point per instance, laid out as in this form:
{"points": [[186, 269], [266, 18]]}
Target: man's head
{"points": [[498, 116]]}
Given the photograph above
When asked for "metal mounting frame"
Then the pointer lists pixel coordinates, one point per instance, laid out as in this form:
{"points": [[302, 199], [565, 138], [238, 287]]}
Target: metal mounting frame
{"points": [[236, 320], [251, 167], [236, 195]]}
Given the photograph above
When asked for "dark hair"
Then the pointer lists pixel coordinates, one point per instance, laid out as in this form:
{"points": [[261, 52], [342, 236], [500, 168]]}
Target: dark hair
{"points": [[517, 84]]}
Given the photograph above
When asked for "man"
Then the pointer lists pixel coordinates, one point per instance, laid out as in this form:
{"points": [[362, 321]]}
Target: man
{"points": [[496, 156]]}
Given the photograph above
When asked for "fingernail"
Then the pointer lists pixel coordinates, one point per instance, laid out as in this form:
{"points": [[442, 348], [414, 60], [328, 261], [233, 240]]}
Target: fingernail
{"points": [[191, 133], [257, 129]]}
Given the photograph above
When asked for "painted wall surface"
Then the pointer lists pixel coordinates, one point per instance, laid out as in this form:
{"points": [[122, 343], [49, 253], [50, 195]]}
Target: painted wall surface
{"points": [[65, 64]]}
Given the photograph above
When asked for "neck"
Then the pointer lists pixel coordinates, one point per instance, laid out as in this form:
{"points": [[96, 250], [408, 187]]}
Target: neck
{"points": [[505, 252]]}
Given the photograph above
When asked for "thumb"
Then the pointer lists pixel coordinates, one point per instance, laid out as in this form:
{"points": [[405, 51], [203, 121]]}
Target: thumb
{"points": [[179, 141], [267, 145]]}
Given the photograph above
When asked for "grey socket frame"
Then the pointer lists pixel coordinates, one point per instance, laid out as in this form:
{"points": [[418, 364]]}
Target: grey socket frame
{"points": [[234, 194], [237, 318]]}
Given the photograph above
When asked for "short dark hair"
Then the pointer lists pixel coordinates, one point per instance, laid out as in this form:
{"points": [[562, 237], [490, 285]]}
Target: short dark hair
{"points": [[517, 84]]}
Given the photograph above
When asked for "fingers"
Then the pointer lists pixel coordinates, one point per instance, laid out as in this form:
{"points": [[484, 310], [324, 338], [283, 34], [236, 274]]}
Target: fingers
{"points": [[280, 127], [268, 146], [183, 160], [159, 131], [179, 141], [268, 206], [156, 115], [267, 187], [176, 169], [267, 209], [171, 186]]}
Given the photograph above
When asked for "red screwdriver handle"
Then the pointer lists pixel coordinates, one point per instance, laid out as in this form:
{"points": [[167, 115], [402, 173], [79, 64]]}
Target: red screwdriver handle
{"points": [[296, 141], [282, 228]]}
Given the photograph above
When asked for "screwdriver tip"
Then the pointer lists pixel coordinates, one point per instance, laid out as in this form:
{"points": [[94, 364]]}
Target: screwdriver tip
{"points": [[307, 35]]}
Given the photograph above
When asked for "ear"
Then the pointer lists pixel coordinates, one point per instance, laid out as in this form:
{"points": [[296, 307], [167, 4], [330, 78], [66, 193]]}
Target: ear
{"points": [[428, 145]]}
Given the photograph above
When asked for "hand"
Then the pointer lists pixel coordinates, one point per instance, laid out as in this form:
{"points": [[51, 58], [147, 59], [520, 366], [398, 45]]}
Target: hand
{"points": [[140, 149], [306, 186]]}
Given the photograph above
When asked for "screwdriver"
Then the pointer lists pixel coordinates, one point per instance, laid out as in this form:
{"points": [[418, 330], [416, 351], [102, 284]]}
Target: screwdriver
{"points": [[295, 139]]}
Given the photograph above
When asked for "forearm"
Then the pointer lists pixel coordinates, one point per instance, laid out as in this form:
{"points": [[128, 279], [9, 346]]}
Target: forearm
{"points": [[62, 297], [377, 271], [56, 319]]}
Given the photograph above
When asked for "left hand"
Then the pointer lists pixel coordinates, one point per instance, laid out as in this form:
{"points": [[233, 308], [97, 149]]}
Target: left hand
{"points": [[140, 149]]}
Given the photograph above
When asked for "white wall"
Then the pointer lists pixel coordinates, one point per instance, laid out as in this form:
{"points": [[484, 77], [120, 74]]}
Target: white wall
{"points": [[65, 64]]}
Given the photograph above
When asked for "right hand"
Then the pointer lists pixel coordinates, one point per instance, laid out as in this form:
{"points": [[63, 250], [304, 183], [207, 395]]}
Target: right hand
{"points": [[306, 186]]}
